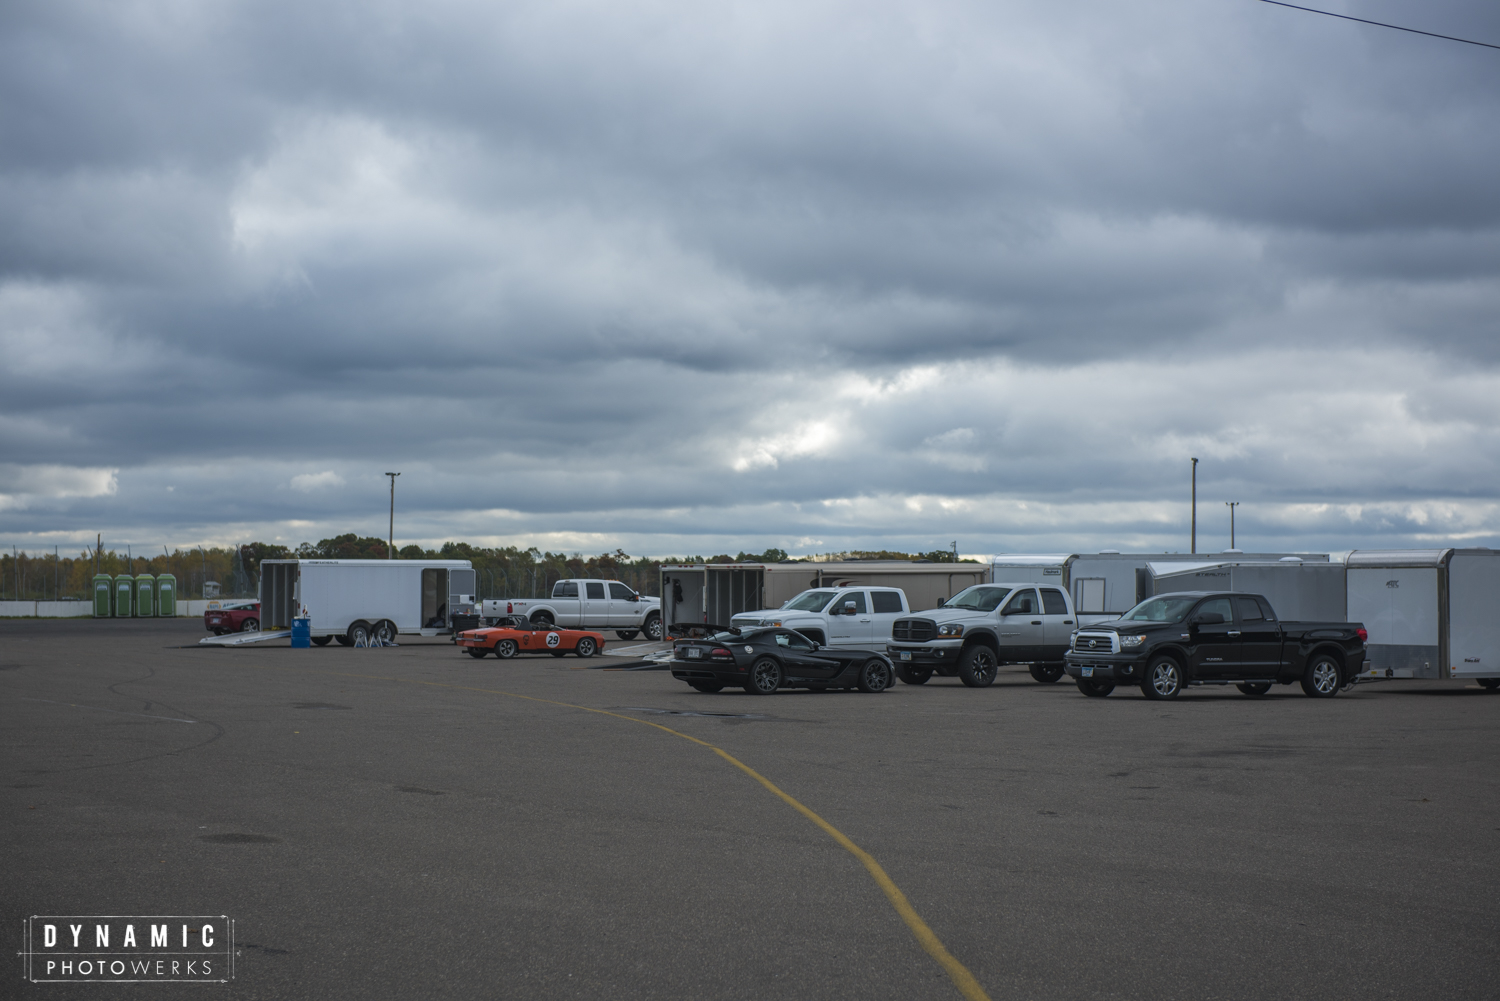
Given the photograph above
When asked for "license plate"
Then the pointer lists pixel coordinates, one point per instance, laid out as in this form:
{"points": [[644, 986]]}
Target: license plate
{"points": [[694, 653], [1088, 670], [905, 655]]}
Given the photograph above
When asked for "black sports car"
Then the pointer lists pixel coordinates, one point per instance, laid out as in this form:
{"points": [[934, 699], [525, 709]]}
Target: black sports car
{"points": [[762, 660]]}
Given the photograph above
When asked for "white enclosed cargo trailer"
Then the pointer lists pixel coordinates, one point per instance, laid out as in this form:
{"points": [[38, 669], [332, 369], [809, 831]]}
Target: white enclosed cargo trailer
{"points": [[1431, 613], [1299, 590], [352, 599], [716, 592]]}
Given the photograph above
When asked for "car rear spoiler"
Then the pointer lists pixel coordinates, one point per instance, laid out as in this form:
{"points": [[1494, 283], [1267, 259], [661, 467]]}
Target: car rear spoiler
{"points": [[683, 628]]}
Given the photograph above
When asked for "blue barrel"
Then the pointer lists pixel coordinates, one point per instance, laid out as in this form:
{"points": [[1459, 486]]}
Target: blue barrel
{"points": [[301, 634]]}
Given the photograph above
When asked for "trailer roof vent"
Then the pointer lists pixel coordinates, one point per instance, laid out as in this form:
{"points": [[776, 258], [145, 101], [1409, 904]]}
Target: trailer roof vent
{"points": [[1109, 552], [1290, 559], [1227, 551]]}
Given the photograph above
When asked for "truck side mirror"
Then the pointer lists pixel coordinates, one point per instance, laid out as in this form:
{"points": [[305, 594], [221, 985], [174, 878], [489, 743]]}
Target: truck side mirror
{"points": [[942, 602], [848, 608], [1208, 619], [635, 597]]}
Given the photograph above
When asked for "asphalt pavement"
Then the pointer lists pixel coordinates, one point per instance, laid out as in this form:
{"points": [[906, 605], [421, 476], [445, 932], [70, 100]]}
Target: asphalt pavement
{"points": [[411, 823]]}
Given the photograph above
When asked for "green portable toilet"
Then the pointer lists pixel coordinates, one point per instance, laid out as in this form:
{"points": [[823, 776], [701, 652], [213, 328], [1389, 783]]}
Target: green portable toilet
{"points": [[124, 596], [145, 599], [103, 584], [166, 595]]}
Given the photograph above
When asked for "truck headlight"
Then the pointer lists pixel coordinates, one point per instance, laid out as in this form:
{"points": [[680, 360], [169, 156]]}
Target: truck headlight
{"points": [[1131, 642], [950, 630]]}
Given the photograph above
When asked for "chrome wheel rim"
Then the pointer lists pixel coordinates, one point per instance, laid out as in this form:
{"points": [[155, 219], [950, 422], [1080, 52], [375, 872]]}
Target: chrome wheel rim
{"points": [[1325, 677], [506, 649], [1164, 679], [653, 629], [585, 647], [251, 626]]}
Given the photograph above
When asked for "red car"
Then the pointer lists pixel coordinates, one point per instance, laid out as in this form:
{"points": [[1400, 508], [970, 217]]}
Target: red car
{"points": [[516, 635], [233, 617]]}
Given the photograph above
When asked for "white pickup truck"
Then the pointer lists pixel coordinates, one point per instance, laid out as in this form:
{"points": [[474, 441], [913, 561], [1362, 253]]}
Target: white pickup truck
{"points": [[587, 604], [984, 626], [857, 617]]}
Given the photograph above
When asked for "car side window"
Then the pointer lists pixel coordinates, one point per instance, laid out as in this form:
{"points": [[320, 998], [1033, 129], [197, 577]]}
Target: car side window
{"points": [[1052, 601], [620, 591], [794, 641], [595, 589], [858, 597], [782, 639], [1023, 602], [1215, 606], [885, 601], [1249, 610]]}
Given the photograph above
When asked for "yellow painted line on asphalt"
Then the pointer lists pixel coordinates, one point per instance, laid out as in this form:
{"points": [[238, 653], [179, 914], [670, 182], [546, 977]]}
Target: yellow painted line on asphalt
{"points": [[926, 938]]}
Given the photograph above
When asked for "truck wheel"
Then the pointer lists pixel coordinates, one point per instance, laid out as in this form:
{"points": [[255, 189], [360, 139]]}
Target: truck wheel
{"points": [[625, 634], [1321, 679], [543, 617], [1163, 679], [978, 667], [765, 677], [384, 631], [652, 628], [1095, 689], [1489, 684], [359, 633], [1047, 673], [875, 676], [321, 640], [1256, 688], [914, 675], [707, 687], [586, 646]]}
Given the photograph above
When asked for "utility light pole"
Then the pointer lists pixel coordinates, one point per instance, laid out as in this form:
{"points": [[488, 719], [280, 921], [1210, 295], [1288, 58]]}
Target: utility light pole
{"points": [[1195, 506], [390, 545], [1231, 505]]}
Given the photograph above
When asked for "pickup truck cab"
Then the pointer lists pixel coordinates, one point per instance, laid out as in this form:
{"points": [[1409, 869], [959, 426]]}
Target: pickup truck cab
{"points": [[1174, 640], [858, 617], [579, 603], [984, 626]]}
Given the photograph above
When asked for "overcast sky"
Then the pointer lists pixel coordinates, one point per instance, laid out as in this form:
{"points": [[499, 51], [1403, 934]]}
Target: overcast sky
{"points": [[689, 278]]}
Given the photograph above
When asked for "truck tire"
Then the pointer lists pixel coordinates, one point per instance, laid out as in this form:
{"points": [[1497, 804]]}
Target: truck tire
{"points": [[359, 633], [625, 634], [1047, 673], [874, 676], [978, 667], [652, 627], [1163, 679], [546, 617], [1095, 689], [586, 647], [1255, 688], [914, 675], [765, 677], [1322, 679]]}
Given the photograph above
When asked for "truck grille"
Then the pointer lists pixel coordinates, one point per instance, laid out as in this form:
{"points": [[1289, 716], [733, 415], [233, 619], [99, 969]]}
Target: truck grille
{"points": [[913, 630], [1094, 643]]}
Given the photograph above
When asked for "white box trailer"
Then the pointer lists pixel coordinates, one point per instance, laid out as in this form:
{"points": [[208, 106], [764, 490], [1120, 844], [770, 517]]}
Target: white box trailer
{"points": [[1431, 613], [1110, 582], [714, 592], [345, 598], [1299, 590]]}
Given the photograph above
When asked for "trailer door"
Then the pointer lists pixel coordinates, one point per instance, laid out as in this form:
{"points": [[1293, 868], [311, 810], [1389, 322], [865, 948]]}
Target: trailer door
{"points": [[1474, 615], [1399, 607], [462, 585]]}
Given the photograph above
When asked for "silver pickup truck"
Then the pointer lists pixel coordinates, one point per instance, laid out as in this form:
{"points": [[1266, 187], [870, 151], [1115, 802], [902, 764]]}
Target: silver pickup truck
{"points": [[984, 626], [587, 604]]}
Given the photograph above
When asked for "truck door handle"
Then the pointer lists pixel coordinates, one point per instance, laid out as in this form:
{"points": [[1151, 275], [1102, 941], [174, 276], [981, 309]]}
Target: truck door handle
{"points": [[1067, 622], [1233, 632], [1036, 622]]}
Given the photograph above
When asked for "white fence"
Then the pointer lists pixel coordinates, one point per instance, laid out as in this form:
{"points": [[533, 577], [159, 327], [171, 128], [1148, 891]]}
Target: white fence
{"points": [[80, 609]]}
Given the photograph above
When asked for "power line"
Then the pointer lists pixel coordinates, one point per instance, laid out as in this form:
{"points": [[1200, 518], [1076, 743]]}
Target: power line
{"points": [[1382, 24]]}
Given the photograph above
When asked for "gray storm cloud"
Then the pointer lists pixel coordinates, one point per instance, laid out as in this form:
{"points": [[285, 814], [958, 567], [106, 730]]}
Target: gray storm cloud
{"points": [[685, 278]]}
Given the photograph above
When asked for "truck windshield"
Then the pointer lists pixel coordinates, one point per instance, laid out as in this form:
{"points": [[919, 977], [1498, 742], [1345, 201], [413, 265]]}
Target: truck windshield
{"points": [[979, 598], [809, 601], [1165, 609]]}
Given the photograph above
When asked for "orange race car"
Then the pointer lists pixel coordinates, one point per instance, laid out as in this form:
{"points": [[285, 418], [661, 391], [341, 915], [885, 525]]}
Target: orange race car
{"points": [[516, 634]]}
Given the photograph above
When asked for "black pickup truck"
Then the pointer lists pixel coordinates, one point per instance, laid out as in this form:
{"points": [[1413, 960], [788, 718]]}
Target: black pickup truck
{"points": [[1214, 638]]}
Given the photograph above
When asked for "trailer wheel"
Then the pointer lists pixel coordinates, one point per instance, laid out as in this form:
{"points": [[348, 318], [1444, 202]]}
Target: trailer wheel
{"points": [[344, 641], [1489, 684], [1321, 679], [359, 633], [626, 634], [1094, 688], [505, 649], [1047, 673], [978, 667], [1254, 688], [914, 675], [321, 640], [586, 646], [1163, 679], [384, 631], [652, 628]]}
